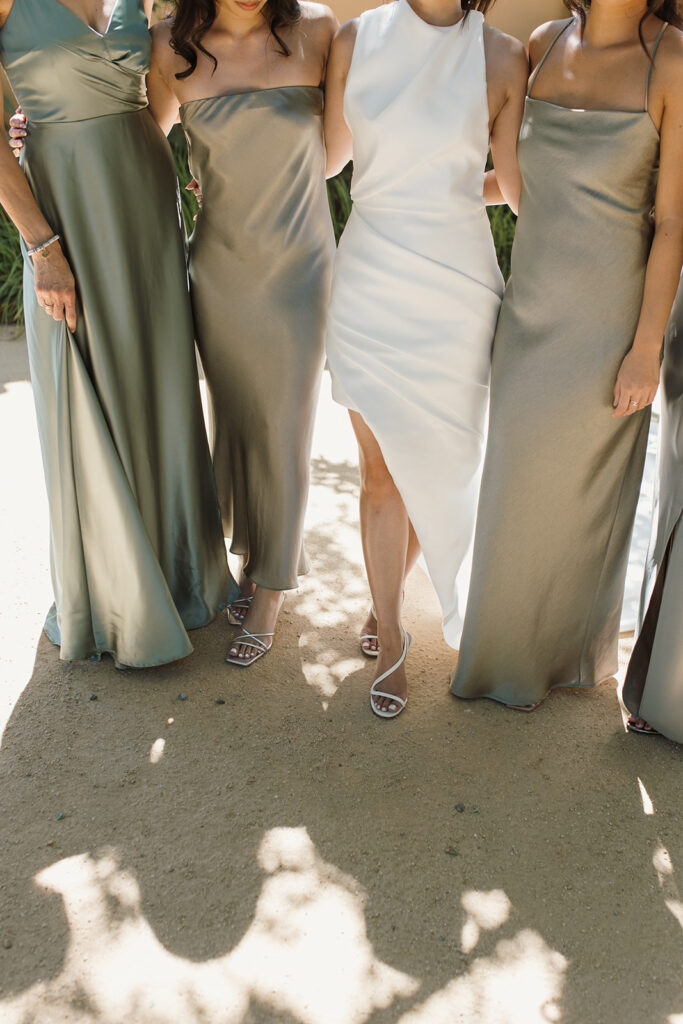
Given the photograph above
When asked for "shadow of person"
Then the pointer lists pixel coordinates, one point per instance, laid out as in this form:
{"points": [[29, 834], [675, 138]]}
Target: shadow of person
{"points": [[285, 856]]}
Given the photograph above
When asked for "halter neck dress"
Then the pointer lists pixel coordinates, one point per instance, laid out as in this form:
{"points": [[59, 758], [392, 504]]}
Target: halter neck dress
{"points": [[137, 550], [653, 689], [417, 289], [260, 266], [561, 477]]}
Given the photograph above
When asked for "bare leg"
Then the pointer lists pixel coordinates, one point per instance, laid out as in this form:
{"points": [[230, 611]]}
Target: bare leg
{"points": [[385, 531], [370, 625], [239, 608], [260, 619]]}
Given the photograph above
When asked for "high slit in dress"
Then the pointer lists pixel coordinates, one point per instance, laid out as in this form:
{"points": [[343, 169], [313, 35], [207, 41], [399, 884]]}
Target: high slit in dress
{"points": [[417, 288]]}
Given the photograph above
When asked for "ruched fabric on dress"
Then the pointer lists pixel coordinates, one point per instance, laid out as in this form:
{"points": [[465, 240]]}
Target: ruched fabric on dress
{"points": [[417, 289]]}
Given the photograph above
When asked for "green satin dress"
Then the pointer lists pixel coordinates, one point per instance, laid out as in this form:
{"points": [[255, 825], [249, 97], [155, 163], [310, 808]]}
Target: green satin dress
{"points": [[561, 476], [136, 546], [653, 689], [260, 269]]}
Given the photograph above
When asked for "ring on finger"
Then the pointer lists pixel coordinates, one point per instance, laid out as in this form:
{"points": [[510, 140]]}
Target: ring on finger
{"points": [[636, 404]]}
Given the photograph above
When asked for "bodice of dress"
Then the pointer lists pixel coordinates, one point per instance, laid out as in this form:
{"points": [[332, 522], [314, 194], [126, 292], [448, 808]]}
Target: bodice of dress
{"points": [[416, 104], [61, 70], [592, 162], [259, 157]]}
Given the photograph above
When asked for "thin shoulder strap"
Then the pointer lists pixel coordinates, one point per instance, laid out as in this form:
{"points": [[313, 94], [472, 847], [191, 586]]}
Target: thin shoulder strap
{"points": [[532, 80], [652, 64]]}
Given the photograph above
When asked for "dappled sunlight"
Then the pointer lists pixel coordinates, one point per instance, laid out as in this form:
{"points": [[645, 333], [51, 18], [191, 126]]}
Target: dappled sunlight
{"points": [[648, 806], [485, 911], [520, 984], [306, 954]]}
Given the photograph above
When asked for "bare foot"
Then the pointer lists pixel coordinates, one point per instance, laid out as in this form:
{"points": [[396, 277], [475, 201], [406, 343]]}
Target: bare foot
{"points": [[260, 621], [397, 682], [369, 643], [640, 725], [238, 610]]}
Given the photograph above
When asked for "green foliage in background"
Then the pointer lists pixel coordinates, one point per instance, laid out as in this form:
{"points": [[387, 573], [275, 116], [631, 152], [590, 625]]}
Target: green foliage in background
{"points": [[11, 273], [338, 191], [503, 223]]}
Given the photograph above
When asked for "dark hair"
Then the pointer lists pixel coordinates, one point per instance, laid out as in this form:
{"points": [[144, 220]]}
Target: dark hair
{"points": [[193, 19], [476, 5], [665, 10]]}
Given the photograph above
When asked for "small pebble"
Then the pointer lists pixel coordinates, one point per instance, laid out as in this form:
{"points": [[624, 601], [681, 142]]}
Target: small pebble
{"points": [[50, 842], [475, 810], [451, 851], [171, 870], [7, 943], [28, 775], [59, 815], [220, 701], [93, 696], [182, 696], [460, 808]]}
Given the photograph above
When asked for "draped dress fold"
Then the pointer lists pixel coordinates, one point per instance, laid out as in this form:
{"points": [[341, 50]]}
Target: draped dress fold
{"points": [[137, 554], [260, 265], [653, 688], [562, 476], [417, 289]]}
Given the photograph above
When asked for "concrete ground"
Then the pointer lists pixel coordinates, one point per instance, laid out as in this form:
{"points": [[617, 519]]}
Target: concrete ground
{"points": [[267, 851]]}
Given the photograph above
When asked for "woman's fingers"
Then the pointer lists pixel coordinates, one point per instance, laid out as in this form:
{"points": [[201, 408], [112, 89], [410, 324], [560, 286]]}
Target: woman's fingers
{"points": [[18, 120], [60, 305]]}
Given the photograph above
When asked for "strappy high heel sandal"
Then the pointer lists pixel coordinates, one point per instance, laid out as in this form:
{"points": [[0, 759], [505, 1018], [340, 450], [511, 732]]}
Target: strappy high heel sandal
{"points": [[250, 640], [376, 692]]}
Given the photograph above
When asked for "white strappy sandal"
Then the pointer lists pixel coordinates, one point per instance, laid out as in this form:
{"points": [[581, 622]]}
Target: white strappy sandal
{"points": [[250, 640], [375, 692]]}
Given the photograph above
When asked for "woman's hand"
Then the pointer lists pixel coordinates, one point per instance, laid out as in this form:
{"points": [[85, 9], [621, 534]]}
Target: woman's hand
{"points": [[637, 381], [17, 131], [54, 284]]}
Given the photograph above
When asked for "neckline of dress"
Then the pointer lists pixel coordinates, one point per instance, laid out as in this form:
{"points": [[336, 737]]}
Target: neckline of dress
{"points": [[86, 24], [247, 92], [428, 24], [594, 110]]}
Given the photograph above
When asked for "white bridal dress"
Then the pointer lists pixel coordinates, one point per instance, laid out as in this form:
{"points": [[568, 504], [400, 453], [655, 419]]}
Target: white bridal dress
{"points": [[417, 288]]}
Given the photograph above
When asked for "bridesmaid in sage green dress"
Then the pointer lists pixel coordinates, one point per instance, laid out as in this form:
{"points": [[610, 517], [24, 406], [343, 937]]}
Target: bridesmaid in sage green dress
{"points": [[586, 306], [260, 267], [653, 690], [136, 547]]}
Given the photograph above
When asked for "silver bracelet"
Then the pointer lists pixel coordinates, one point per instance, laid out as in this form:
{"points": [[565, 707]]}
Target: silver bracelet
{"points": [[42, 246]]}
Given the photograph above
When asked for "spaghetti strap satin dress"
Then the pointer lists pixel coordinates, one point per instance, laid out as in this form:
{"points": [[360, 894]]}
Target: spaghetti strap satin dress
{"points": [[562, 477], [416, 290], [653, 689], [260, 265], [137, 552]]}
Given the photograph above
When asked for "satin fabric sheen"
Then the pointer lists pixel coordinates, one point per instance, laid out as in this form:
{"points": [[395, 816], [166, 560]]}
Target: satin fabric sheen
{"points": [[417, 289], [561, 477], [137, 553], [260, 266], [653, 689]]}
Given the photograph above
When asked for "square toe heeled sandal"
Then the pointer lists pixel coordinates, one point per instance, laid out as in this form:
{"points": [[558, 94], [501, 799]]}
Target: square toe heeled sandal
{"points": [[256, 640]]}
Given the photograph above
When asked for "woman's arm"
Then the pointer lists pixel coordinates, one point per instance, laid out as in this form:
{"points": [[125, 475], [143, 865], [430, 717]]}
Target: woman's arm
{"points": [[638, 377], [163, 102], [507, 72], [338, 138], [54, 282]]}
